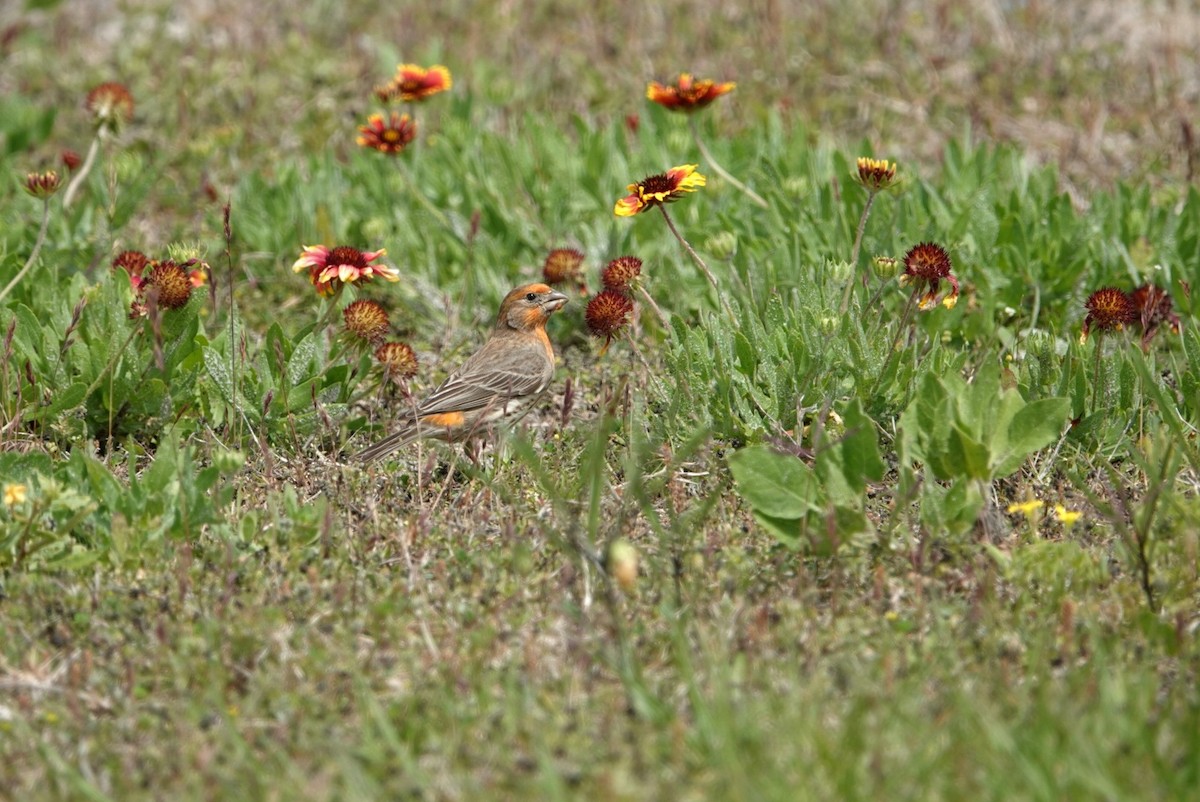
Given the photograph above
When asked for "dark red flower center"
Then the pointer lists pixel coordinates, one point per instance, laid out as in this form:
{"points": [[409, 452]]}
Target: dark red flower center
{"points": [[927, 261], [658, 183], [345, 255]]}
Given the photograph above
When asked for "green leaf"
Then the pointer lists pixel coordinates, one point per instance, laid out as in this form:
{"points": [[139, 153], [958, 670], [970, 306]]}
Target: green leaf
{"points": [[1036, 426], [775, 484]]}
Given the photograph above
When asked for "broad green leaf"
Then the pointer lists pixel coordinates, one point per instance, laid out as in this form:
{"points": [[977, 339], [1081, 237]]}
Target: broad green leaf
{"points": [[775, 484], [1036, 426]]}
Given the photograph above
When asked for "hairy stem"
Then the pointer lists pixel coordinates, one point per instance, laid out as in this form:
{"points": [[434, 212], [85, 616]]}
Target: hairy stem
{"points": [[708, 274], [37, 247], [858, 238], [84, 169]]}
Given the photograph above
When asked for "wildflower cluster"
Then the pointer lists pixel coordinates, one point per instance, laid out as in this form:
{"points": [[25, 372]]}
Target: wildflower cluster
{"points": [[1112, 309], [391, 133], [612, 309], [163, 283]]}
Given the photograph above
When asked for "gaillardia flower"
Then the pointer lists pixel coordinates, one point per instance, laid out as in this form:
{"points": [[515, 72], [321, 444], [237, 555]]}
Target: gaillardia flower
{"points": [[110, 104], [71, 160], [875, 174], [170, 281], [687, 94], [328, 268], [562, 265], [366, 320], [134, 263], [608, 313], [42, 185], [925, 266], [620, 273], [391, 135], [1154, 308], [659, 189], [398, 360], [1108, 309], [413, 82]]}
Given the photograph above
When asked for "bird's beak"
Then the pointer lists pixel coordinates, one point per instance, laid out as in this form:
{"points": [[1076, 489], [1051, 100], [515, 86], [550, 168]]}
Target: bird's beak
{"points": [[555, 301]]}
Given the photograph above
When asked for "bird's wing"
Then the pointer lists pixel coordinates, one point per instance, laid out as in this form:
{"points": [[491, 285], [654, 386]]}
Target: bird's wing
{"points": [[490, 376]]}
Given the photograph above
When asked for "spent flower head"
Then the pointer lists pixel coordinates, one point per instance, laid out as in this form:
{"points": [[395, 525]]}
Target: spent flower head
{"points": [[562, 265], [687, 94], [875, 175], [366, 320], [926, 265], [390, 135], [658, 189], [1154, 308], [619, 274], [398, 361], [1108, 309], [110, 105], [171, 282], [413, 82], [329, 268], [607, 313], [42, 185]]}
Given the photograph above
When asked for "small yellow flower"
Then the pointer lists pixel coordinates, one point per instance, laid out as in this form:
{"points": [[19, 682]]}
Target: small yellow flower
{"points": [[1026, 508], [14, 494], [1065, 516]]}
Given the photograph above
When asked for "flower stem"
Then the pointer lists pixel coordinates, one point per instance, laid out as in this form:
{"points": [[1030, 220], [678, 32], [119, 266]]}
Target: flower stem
{"points": [[86, 168], [718, 169], [858, 238], [662, 318], [908, 308], [37, 247], [699, 263], [1096, 375]]}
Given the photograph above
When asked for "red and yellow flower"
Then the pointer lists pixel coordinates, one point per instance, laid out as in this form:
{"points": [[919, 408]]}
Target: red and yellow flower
{"points": [[925, 266], [413, 82], [687, 94], [329, 268], [390, 135], [658, 189]]}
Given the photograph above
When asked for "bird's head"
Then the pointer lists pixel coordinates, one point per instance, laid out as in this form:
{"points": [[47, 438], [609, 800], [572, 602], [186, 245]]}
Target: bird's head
{"points": [[529, 306]]}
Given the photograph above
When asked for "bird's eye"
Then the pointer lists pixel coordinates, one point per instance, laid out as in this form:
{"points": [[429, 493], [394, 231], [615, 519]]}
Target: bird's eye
{"points": [[532, 296]]}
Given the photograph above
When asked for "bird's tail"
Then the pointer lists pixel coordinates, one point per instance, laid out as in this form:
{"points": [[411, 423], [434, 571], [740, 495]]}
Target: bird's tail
{"points": [[393, 442]]}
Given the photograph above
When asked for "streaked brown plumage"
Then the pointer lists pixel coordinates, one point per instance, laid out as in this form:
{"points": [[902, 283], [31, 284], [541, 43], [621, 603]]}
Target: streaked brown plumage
{"points": [[499, 382]]}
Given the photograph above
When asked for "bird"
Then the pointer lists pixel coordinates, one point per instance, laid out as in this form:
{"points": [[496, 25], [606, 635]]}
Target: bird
{"points": [[500, 382]]}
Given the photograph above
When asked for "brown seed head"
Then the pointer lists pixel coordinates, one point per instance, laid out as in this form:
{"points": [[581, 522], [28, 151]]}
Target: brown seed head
{"points": [[562, 265], [607, 313], [398, 360], [172, 282], [366, 320], [620, 273], [110, 104]]}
